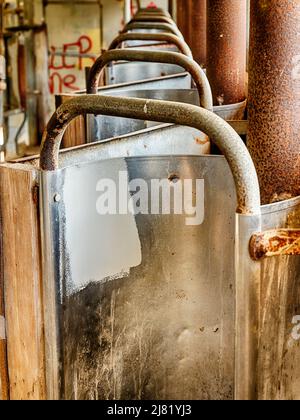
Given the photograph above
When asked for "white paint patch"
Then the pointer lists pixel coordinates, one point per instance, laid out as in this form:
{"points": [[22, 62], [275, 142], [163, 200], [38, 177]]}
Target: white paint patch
{"points": [[99, 247], [2, 328]]}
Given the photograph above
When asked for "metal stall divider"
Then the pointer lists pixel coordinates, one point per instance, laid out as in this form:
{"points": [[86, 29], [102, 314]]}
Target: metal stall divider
{"points": [[94, 126], [176, 87], [164, 40], [167, 63], [152, 27], [175, 317], [21, 259], [149, 318]]}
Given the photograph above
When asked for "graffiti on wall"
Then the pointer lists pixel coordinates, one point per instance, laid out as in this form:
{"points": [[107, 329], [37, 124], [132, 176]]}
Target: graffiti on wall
{"points": [[67, 63]]}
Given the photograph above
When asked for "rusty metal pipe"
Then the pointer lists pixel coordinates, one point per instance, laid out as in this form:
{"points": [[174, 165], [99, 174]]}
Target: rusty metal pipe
{"points": [[198, 30], [166, 27], [191, 20], [274, 97], [163, 37], [183, 19], [167, 57], [216, 128], [226, 50]]}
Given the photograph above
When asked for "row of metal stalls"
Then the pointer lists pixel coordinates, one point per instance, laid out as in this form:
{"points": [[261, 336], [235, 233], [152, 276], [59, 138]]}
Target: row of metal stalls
{"points": [[114, 287]]}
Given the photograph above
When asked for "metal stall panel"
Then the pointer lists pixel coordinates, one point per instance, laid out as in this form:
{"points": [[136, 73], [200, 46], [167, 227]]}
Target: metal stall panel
{"points": [[131, 72], [145, 304], [267, 309], [103, 127], [76, 133], [279, 356]]}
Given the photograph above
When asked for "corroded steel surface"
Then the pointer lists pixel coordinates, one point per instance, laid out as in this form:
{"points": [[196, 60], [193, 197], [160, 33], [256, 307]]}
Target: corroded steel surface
{"points": [[274, 97], [225, 138], [163, 37], [274, 243], [191, 20], [226, 50], [188, 64], [197, 40]]}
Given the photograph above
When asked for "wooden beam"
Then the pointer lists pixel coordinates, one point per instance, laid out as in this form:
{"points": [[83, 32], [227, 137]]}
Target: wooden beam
{"points": [[22, 274]]}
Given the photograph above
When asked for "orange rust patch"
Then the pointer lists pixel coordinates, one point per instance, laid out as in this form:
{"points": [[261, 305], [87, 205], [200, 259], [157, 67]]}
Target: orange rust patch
{"points": [[202, 141]]}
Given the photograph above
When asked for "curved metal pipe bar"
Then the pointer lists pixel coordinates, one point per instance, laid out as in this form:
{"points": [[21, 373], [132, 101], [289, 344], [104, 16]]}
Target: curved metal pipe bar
{"points": [[151, 18], [166, 57], [166, 27], [218, 130], [151, 14], [163, 37], [154, 10]]}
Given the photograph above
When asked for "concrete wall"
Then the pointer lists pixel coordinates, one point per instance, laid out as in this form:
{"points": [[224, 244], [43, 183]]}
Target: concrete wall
{"points": [[81, 29]]}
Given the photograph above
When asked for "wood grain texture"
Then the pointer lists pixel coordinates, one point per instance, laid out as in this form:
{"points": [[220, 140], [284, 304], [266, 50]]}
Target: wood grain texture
{"points": [[4, 393], [21, 271]]}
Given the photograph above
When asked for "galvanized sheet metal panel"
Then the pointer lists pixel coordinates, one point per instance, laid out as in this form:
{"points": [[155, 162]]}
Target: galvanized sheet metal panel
{"points": [[166, 330]]}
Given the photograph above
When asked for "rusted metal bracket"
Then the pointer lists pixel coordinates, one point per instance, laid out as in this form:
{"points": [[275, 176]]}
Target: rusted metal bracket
{"points": [[275, 242]]}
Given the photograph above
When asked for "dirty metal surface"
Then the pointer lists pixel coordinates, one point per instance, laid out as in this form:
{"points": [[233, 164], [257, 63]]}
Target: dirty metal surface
{"points": [[226, 50], [279, 338], [274, 97], [157, 325], [267, 311]]}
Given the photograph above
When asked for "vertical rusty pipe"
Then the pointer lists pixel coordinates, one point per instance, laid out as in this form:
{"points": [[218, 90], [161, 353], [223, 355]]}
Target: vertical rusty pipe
{"points": [[191, 20], [274, 97], [197, 25], [226, 50], [183, 19]]}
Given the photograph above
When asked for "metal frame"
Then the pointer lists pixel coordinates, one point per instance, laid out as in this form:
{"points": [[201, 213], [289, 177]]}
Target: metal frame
{"points": [[161, 37], [155, 57]]}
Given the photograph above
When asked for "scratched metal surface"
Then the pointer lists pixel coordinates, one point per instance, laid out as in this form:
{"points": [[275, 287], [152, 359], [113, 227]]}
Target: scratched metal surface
{"points": [[279, 358], [131, 72], [165, 328], [169, 88]]}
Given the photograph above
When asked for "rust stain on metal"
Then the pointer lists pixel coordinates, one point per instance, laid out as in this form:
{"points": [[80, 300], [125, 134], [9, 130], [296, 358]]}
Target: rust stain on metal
{"points": [[274, 97], [202, 141], [226, 50], [275, 243]]}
